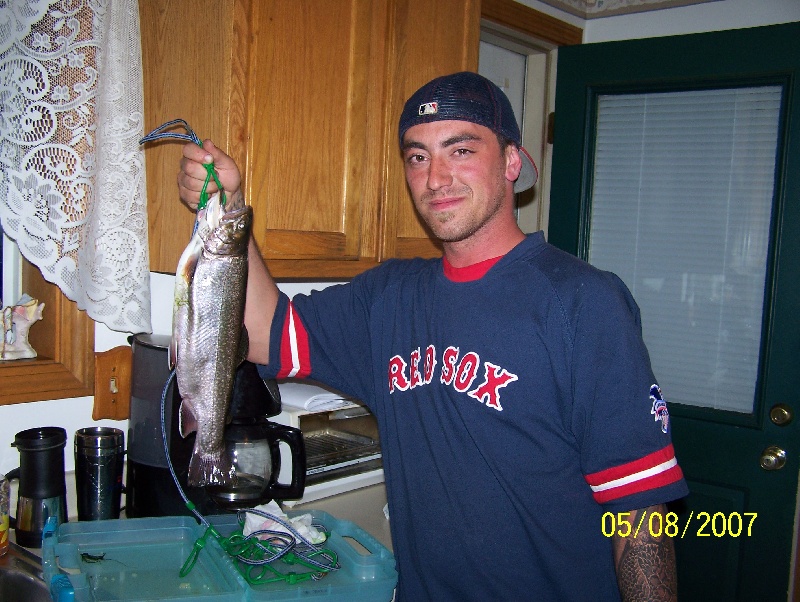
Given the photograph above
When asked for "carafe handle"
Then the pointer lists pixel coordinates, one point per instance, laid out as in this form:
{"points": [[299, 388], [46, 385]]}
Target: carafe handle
{"points": [[293, 437]]}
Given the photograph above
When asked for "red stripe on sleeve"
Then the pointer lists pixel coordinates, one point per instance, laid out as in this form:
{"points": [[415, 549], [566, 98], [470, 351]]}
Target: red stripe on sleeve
{"points": [[623, 470], [303, 349], [295, 356], [662, 479], [286, 347], [655, 470]]}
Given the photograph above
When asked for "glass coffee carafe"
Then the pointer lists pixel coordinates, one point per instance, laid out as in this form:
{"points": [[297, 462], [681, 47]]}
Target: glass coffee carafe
{"points": [[253, 444]]}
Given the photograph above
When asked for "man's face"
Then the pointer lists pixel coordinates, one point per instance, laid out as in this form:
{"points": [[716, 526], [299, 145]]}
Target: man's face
{"points": [[459, 178]]}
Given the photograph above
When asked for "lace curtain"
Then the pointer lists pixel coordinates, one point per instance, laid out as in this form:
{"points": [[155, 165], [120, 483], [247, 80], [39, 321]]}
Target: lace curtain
{"points": [[72, 189]]}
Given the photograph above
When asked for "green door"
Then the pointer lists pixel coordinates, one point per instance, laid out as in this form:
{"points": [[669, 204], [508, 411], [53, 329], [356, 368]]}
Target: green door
{"points": [[734, 533]]}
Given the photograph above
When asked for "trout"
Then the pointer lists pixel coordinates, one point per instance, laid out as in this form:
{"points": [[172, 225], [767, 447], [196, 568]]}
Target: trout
{"points": [[209, 340]]}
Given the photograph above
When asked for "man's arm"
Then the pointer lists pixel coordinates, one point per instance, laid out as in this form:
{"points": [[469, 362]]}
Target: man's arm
{"points": [[259, 309], [645, 564]]}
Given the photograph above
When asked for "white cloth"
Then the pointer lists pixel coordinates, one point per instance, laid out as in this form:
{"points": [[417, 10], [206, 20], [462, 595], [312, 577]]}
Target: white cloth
{"points": [[301, 524], [312, 398], [72, 187]]}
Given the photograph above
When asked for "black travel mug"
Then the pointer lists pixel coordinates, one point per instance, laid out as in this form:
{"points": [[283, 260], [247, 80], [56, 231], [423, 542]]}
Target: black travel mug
{"points": [[99, 456], [42, 490]]}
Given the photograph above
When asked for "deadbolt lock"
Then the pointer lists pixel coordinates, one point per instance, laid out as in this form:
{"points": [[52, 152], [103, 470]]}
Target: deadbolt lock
{"points": [[781, 414], [773, 458]]}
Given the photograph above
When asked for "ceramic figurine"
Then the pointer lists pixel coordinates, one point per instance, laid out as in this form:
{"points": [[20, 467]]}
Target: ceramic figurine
{"points": [[17, 321]]}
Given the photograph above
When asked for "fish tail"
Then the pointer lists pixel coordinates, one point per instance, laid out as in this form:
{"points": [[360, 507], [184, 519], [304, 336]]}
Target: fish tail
{"points": [[210, 469]]}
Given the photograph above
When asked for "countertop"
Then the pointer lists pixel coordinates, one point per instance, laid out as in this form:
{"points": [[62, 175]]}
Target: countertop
{"points": [[364, 507]]}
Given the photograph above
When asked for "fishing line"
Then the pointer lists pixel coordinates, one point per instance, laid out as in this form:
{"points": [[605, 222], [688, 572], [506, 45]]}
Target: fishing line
{"points": [[162, 133], [165, 441], [258, 550]]}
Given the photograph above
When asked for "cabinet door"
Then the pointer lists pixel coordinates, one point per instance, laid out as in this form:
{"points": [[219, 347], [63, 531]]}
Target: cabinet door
{"points": [[429, 39], [307, 114], [186, 60]]}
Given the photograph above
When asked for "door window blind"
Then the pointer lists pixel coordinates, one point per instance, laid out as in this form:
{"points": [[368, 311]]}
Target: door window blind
{"points": [[681, 206]]}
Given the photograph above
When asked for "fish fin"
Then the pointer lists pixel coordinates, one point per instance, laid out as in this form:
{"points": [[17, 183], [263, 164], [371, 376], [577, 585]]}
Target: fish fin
{"points": [[184, 273], [209, 469], [187, 422], [172, 358]]}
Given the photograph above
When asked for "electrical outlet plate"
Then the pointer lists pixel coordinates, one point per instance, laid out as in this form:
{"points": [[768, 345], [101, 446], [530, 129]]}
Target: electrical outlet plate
{"points": [[112, 383]]}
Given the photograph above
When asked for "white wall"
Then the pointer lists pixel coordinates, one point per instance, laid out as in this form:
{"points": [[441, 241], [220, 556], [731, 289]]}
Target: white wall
{"points": [[76, 413], [709, 16]]}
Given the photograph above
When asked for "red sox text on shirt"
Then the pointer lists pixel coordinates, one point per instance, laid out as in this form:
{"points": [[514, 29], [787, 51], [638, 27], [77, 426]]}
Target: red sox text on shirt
{"points": [[458, 371]]}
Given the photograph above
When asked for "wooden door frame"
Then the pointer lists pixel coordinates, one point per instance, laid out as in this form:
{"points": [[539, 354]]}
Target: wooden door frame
{"points": [[530, 22]]}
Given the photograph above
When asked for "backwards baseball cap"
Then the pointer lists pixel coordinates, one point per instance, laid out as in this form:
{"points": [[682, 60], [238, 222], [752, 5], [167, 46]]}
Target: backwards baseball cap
{"points": [[470, 97]]}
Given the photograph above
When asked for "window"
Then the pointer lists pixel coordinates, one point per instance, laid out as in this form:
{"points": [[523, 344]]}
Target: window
{"points": [[11, 269], [681, 207]]}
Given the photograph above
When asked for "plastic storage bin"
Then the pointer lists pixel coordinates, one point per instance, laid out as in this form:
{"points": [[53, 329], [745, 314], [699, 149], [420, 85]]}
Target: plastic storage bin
{"points": [[140, 559]]}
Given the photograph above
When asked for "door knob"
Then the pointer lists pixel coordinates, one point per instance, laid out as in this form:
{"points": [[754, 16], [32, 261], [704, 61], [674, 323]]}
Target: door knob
{"points": [[773, 458], [781, 414]]}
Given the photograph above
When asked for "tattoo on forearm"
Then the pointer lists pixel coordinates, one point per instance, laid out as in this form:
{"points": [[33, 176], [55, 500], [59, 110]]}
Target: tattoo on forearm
{"points": [[646, 569]]}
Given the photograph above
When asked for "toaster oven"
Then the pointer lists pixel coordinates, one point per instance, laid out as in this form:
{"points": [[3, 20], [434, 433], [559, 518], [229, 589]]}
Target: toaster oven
{"points": [[342, 448]]}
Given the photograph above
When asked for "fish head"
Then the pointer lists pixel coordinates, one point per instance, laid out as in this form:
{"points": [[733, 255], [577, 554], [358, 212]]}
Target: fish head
{"points": [[231, 235]]}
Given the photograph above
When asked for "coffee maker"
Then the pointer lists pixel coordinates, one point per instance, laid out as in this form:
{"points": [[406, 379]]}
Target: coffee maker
{"points": [[251, 441]]}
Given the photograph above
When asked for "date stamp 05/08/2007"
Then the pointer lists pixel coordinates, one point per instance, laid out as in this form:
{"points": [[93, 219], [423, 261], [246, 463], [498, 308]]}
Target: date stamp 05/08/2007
{"points": [[656, 524]]}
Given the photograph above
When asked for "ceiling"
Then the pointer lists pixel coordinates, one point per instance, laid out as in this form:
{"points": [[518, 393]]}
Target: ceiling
{"points": [[593, 9]]}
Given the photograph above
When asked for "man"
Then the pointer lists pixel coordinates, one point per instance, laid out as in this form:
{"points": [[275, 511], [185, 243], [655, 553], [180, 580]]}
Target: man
{"points": [[513, 392]]}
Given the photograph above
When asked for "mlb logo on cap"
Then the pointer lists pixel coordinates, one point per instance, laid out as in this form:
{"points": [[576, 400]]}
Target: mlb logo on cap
{"points": [[429, 108]]}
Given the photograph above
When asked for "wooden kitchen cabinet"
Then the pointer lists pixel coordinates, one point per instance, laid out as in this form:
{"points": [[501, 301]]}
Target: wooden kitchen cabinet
{"points": [[306, 96], [314, 99], [429, 39]]}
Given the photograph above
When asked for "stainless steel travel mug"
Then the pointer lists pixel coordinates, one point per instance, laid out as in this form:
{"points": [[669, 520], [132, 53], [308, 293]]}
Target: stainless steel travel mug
{"points": [[42, 490], [99, 456]]}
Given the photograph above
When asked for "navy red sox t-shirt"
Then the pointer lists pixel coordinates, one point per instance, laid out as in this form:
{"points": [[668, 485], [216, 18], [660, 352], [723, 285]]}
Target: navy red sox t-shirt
{"points": [[515, 407]]}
